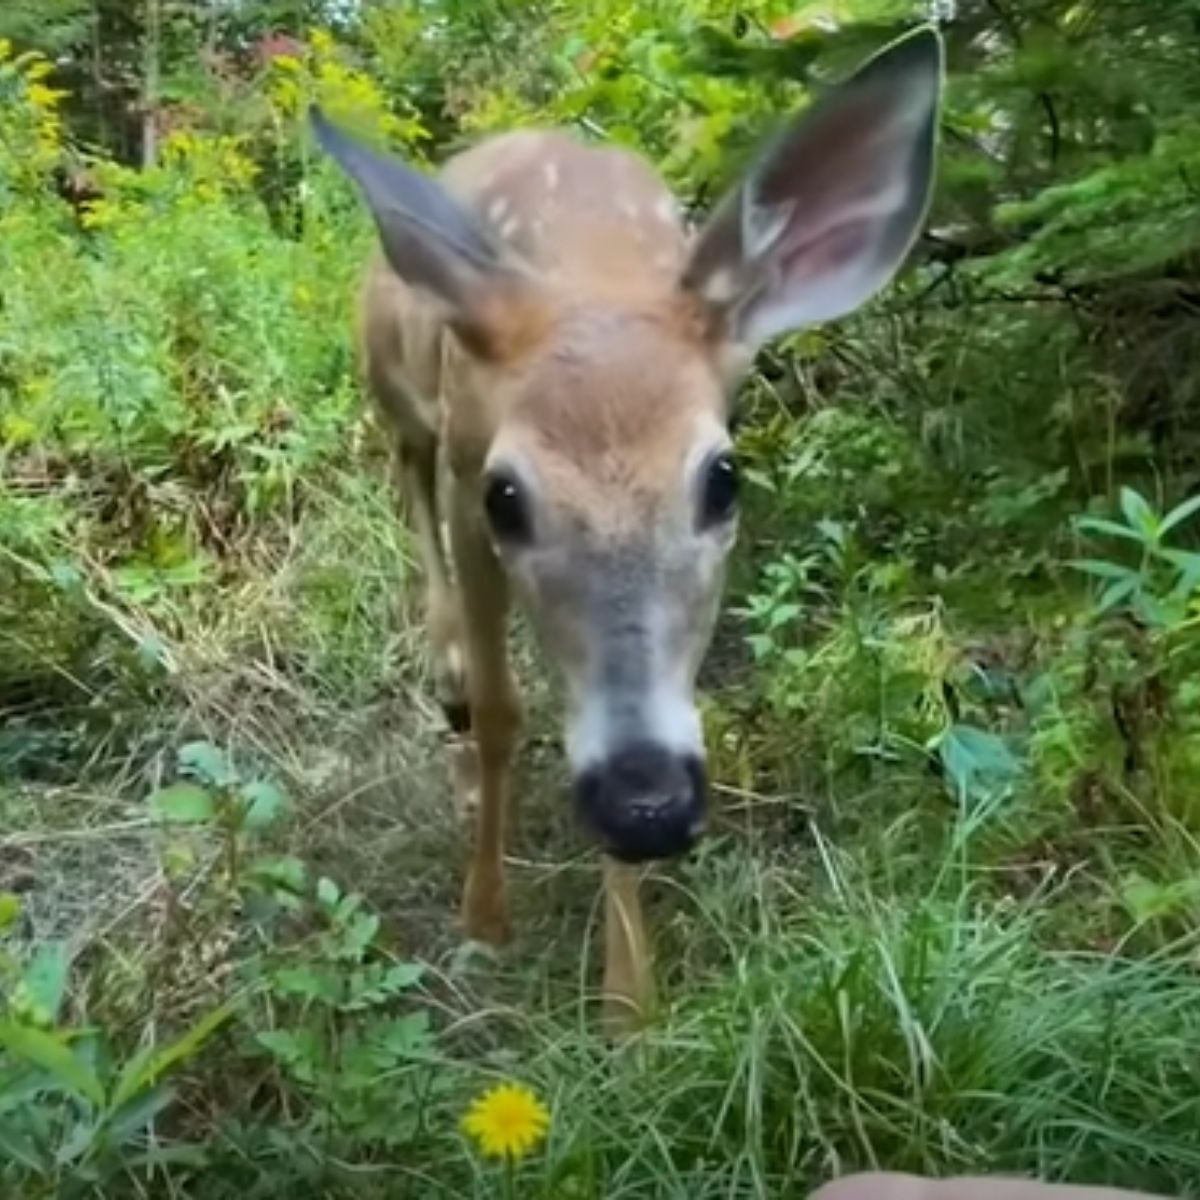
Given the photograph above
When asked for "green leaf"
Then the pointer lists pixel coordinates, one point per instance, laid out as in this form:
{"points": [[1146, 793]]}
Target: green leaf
{"points": [[10, 910], [1189, 570], [138, 1113], [1139, 514], [145, 1068], [45, 977], [183, 804], [404, 975], [405, 1037], [50, 1054], [1115, 593], [284, 873], [1100, 525], [207, 761], [311, 982], [1147, 900], [79, 1140], [975, 759], [264, 803], [327, 892], [17, 1146], [1100, 568], [1163, 614], [1179, 514]]}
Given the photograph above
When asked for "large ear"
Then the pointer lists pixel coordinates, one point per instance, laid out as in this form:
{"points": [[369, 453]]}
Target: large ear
{"points": [[831, 210], [430, 240]]}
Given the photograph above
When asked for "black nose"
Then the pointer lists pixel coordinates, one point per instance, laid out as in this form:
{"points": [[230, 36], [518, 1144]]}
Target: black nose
{"points": [[644, 802]]}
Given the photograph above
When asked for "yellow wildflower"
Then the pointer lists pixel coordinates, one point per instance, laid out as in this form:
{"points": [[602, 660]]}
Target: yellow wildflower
{"points": [[41, 96], [507, 1122], [321, 40]]}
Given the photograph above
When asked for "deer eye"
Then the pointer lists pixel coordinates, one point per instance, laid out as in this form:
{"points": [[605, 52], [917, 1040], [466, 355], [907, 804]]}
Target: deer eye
{"points": [[719, 499], [507, 510]]}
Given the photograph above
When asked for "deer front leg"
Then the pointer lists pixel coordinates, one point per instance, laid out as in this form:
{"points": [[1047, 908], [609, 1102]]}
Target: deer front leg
{"points": [[628, 974], [495, 715], [415, 472]]}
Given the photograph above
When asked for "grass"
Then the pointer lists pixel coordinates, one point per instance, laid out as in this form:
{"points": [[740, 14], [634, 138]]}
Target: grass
{"points": [[853, 980], [874, 961]]}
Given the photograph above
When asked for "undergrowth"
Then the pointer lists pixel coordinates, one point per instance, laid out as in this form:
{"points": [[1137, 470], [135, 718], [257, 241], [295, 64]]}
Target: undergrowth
{"points": [[947, 919]]}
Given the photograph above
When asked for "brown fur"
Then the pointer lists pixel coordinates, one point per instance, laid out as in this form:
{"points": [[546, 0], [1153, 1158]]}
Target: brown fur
{"points": [[603, 234]]}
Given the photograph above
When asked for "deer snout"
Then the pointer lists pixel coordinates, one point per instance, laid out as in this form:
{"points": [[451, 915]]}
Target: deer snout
{"points": [[644, 801]]}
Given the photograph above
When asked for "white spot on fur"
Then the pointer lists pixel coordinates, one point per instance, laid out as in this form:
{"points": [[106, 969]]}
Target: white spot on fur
{"points": [[628, 207], [455, 667], [666, 211], [509, 227], [497, 209], [721, 286], [550, 174]]}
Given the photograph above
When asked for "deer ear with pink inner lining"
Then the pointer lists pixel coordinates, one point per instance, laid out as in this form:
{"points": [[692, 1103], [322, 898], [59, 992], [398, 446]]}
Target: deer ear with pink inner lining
{"points": [[830, 211], [431, 241]]}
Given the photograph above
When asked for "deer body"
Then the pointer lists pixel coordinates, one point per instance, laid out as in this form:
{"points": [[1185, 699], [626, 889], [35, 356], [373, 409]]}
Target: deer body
{"points": [[555, 356]]}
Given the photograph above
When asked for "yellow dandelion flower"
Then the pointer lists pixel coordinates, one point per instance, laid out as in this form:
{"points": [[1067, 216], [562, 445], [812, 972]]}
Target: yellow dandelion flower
{"points": [[507, 1122]]}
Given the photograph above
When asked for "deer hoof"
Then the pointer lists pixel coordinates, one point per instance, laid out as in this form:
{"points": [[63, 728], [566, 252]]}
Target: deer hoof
{"points": [[485, 910]]}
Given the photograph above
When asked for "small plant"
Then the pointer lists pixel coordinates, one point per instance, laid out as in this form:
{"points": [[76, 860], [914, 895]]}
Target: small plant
{"points": [[215, 793], [342, 1027], [74, 1113], [1161, 589]]}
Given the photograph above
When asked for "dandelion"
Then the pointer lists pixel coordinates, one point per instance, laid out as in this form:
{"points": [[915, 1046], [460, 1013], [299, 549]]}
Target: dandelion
{"points": [[507, 1122]]}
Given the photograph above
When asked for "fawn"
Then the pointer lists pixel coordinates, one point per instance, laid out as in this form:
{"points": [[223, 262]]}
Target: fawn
{"points": [[554, 357]]}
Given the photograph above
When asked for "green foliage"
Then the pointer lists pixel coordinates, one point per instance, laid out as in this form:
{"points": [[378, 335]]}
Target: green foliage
{"points": [[954, 706], [330, 1023], [74, 1115]]}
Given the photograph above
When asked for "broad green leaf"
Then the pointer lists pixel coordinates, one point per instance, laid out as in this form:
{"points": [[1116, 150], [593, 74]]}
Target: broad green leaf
{"points": [[974, 758], [1117, 592], [183, 804], [1179, 514], [1100, 568], [45, 977], [1139, 514], [1100, 525], [207, 761], [51, 1054], [264, 803]]}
